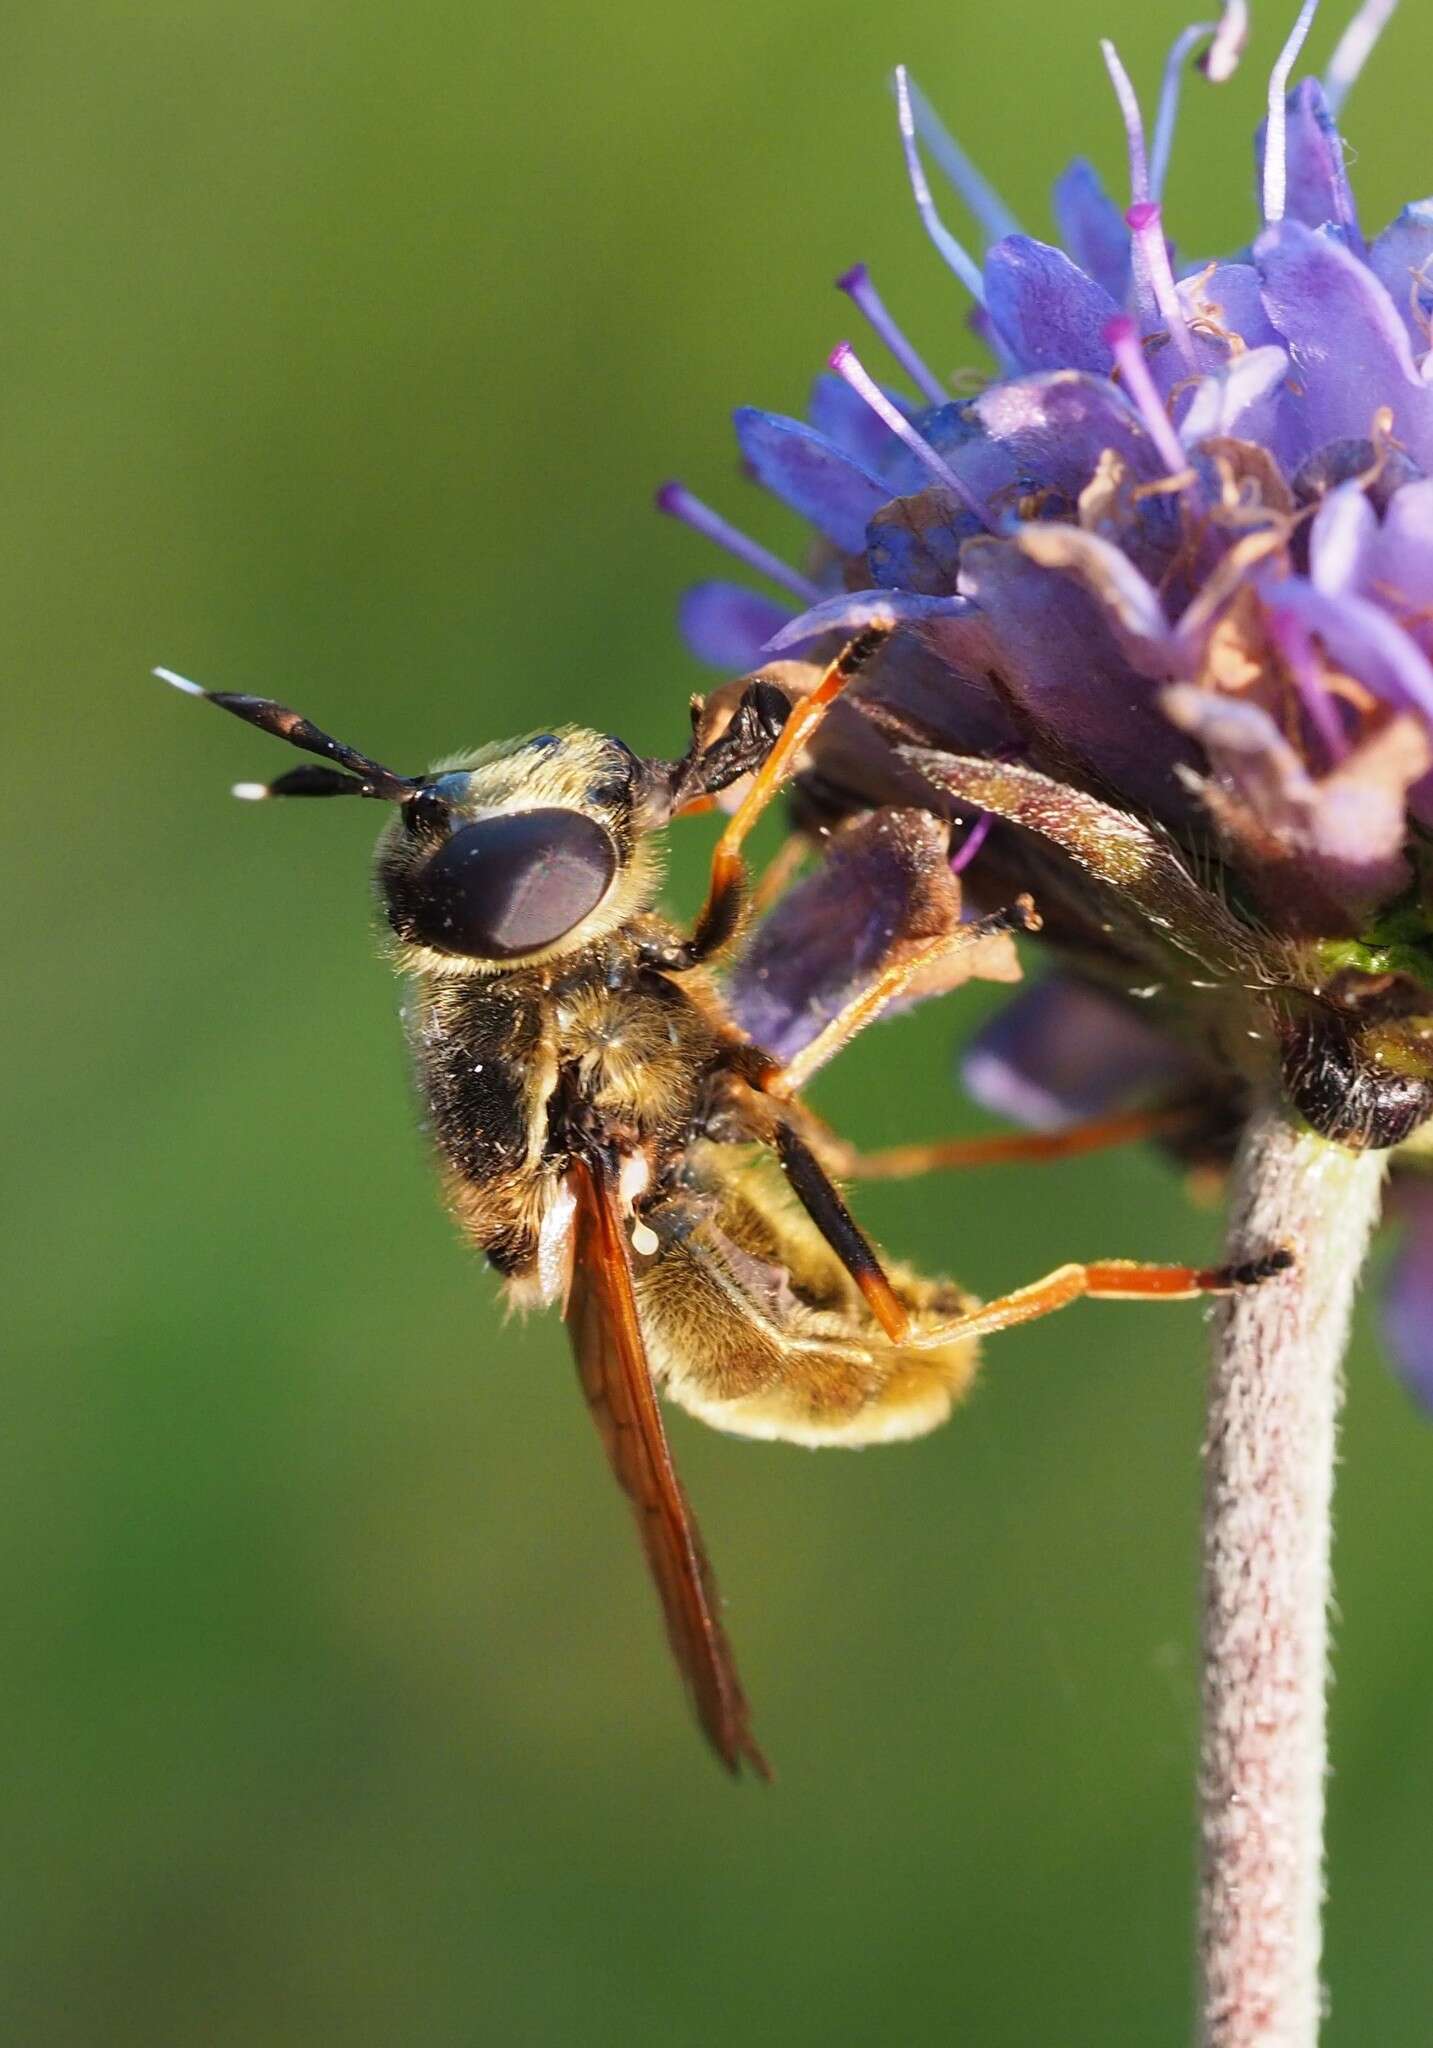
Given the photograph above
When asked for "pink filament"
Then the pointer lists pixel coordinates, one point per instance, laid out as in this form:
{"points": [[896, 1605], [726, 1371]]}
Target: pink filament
{"points": [[1145, 223], [846, 363], [680, 503], [1123, 338], [1276, 169], [1133, 120], [857, 285]]}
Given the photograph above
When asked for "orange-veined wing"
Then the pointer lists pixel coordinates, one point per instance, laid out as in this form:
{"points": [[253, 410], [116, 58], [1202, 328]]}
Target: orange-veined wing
{"points": [[611, 1358]]}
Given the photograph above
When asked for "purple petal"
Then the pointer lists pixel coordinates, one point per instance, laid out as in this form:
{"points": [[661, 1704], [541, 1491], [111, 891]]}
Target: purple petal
{"points": [[1129, 601], [1063, 1051], [1048, 430], [1348, 344], [1363, 641], [1048, 313], [1317, 855], [1227, 298], [845, 419], [1403, 553], [853, 609], [1342, 540], [1093, 228], [811, 474], [1241, 399], [728, 626], [1318, 188], [1408, 1294], [1402, 261], [1050, 646]]}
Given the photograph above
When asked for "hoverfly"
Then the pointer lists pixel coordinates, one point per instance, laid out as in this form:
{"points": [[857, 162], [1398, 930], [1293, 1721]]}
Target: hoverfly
{"points": [[615, 1144]]}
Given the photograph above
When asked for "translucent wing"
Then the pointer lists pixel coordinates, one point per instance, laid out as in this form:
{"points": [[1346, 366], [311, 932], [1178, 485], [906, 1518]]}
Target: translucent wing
{"points": [[612, 1363]]}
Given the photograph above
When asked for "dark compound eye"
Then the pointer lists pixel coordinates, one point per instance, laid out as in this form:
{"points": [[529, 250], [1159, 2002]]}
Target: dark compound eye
{"points": [[510, 884]]}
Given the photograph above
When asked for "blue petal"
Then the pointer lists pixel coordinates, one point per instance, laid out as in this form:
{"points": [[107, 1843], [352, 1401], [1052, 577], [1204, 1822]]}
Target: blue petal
{"points": [[727, 625], [883, 887], [1048, 313], [1318, 189], [1093, 228], [811, 474], [1402, 261], [1408, 1299], [1348, 344]]}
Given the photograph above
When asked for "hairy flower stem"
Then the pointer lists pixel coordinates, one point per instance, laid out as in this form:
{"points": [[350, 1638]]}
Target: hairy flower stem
{"points": [[1274, 1393]]}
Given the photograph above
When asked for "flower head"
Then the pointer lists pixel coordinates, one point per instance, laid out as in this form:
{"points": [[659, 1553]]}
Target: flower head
{"points": [[1163, 591]]}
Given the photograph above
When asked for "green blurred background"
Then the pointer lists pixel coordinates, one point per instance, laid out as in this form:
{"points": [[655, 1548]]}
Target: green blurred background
{"points": [[342, 346]]}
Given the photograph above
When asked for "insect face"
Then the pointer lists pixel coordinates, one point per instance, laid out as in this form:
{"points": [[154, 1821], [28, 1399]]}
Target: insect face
{"points": [[517, 854]]}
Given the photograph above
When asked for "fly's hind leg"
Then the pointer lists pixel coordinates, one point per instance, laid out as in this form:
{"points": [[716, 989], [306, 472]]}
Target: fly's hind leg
{"points": [[1104, 1280]]}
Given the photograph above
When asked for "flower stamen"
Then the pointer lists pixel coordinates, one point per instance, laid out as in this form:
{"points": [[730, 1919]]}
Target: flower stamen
{"points": [[955, 254], [1122, 336], [1221, 60], [1146, 223], [856, 284], [1180, 51], [1295, 647], [976, 190], [679, 503], [846, 363], [1276, 169], [1133, 120], [1353, 50], [970, 846]]}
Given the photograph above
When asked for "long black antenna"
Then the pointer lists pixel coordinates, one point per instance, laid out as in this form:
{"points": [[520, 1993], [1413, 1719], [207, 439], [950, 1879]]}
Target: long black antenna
{"points": [[367, 777]]}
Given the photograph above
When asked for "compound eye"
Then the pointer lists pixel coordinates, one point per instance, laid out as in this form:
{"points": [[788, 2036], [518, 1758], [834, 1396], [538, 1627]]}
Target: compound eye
{"points": [[511, 884]]}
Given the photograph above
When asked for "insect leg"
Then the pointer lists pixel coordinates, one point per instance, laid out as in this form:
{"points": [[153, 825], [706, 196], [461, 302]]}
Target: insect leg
{"points": [[822, 1202], [891, 982], [998, 1148], [1105, 1280], [726, 891]]}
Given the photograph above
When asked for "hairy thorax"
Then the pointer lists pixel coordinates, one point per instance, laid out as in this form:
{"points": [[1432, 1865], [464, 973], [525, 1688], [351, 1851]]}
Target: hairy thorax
{"points": [[508, 1066]]}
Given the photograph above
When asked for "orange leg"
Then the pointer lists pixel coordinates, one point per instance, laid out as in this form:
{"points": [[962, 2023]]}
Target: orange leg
{"points": [[1106, 1280], [1102, 1280], [722, 910], [998, 1148], [780, 871]]}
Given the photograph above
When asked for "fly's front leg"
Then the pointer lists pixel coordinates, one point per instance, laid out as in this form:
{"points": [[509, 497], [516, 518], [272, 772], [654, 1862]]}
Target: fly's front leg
{"points": [[726, 892]]}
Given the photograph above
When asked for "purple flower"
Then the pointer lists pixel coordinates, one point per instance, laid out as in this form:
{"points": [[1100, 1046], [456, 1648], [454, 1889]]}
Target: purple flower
{"points": [[1163, 600]]}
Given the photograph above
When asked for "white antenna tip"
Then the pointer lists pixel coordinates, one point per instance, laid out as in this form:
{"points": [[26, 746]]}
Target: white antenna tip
{"points": [[250, 792], [167, 675]]}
